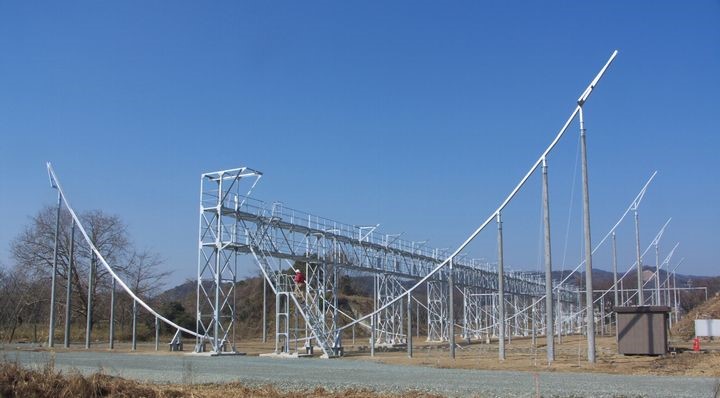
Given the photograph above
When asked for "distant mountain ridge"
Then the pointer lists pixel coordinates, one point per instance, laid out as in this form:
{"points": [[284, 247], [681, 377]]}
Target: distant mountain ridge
{"points": [[356, 294]]}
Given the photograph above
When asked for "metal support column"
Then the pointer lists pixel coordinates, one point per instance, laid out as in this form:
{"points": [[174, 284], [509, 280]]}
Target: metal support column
{"points": [[51, 333], [264, 313], [112, 315], [157, 334], [501, 291], [91, 281], [641, 300], [559, 318], [373, 316], [616, 303], [549, 335], [656, 298], [451, 311], [409, 325], [588, 245], [68, 291], [134, 325]]}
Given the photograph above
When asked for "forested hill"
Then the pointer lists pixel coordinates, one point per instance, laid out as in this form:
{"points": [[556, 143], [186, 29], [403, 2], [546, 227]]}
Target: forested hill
{"points": [[356, 296]]}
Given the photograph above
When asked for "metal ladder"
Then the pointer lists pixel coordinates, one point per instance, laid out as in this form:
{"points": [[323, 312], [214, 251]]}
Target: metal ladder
{"points": [[317, 327], [283, 285]]}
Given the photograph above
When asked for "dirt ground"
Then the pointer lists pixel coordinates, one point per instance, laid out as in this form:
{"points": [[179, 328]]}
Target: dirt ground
{"points": [[570, 356], [521, 354]]}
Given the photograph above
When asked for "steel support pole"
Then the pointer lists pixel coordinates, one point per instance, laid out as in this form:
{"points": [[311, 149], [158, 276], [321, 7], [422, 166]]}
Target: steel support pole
{"points": [[409, 326], [451, 311], [51, 333], [559, 319], [374, 316], [68, 290], [549, 321], [667, 287], [277, 323], [588, 245], [264, 318], [157, 334], [641, 299], [675, 297], [218, 270], [657, 274], [417, 321], [615, 281], [615, 276], [134, 325], [602, 317], [91, 281], [501, 291], [112, 315]]}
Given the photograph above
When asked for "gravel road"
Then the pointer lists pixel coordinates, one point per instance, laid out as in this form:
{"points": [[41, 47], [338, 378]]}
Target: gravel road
{"points": [[339, 374]]}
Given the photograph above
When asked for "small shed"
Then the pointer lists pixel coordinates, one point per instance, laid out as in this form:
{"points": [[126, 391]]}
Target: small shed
{"points": [[642, 330]]}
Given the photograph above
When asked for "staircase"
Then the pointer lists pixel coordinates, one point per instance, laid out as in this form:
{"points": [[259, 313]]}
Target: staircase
{"points": [[317, 326], [282, 285]]}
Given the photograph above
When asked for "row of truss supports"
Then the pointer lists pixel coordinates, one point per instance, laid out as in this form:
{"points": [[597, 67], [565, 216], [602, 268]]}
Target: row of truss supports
{"points": [[234, 227]]}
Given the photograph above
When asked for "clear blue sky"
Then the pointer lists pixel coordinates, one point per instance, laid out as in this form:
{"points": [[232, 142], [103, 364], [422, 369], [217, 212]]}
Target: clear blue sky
{"points": [[420, 116]]}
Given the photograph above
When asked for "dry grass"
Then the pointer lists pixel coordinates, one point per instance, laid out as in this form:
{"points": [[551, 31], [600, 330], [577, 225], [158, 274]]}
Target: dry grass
{"points": [[569, 357], [707, 310], [16, 381]]}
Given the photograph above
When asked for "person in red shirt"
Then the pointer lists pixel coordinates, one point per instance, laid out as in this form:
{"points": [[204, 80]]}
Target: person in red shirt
{"points": [[299, 283]]}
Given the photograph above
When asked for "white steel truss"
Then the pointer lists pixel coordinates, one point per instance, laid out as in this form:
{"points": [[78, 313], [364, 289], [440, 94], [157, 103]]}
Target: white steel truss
{"points": [[390, 320], [437, 294], [279, 238]]}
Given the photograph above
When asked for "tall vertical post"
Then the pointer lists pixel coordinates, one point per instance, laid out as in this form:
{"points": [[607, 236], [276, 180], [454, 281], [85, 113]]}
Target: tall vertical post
{"points": [[451, 310], [641, 299], [218, 269], [112, 315], [602, 316], [51, 333], [264, 313], [667, 286], [559, 318], [675, 297], [588, 245], [91, 282], [417, 321], [657, 274], [501, 291], [373, 316], [615, 276], [549, 335], [134, 325], [157, 334], [68, 290], [409, 325], [615, 280]]}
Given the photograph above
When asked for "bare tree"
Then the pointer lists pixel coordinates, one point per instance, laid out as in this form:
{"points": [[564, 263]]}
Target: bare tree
{"points": [[143, 273], [32, 255], [19, 302]]}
